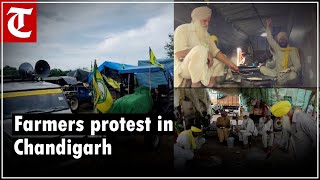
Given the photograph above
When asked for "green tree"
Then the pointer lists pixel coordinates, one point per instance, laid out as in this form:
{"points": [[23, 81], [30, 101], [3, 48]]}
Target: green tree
{"points": [[66, 72], [57, 72], [169, 46], [10, 71]]}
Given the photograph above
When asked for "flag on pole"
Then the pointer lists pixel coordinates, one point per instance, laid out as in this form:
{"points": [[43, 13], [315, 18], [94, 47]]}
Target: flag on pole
{"points": [[153, 59], [113, 83], [102, 99]]}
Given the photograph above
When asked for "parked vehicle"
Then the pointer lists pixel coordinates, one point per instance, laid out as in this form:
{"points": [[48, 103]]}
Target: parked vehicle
{"points": [[74, 90], [29, 95]]}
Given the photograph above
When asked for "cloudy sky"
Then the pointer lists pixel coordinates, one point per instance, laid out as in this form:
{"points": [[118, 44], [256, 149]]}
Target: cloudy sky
{"points": [[71, 36]]}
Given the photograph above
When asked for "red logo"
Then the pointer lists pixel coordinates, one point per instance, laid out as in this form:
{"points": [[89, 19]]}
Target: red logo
{"points": [[19, 22]]}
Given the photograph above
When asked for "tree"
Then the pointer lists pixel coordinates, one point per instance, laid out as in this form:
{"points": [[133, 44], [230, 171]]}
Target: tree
{"points": [[10, 71], [169, 47], [57, 72]]}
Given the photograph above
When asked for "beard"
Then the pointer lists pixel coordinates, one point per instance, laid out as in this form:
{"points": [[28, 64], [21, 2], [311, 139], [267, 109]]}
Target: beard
{"points": [[201, 32], [283, 44]]}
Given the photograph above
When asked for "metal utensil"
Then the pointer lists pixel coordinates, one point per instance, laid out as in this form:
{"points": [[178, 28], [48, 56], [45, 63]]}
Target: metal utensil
{"points": [[246, 74]]}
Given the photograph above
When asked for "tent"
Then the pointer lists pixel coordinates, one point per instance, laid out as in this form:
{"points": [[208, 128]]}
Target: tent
{"points": [[145, 72], [156, 78]]}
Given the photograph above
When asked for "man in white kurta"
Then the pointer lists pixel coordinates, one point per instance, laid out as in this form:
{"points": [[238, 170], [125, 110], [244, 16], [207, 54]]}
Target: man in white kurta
{"points": [[302, 133], [196, 56], [262, 121], [287, 61], [246, 129], [187, 142], [267, 132]]}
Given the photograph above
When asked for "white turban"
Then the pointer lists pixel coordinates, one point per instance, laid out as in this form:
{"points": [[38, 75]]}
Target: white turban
{"points": [[201, 13], [245, 113]]}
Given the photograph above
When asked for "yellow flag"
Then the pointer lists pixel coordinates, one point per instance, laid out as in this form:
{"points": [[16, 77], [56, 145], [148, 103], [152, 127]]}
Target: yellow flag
{"points": [[153, 59], [103, 99], [113, 83]]}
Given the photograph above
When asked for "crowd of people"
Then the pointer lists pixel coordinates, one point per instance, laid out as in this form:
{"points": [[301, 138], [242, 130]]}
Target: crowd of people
{"points": [[282, 127], [198, 63]]}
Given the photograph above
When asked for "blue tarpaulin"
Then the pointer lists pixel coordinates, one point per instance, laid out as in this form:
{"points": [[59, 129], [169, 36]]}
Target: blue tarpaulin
{"points": [[125, 68], [156, 78]]}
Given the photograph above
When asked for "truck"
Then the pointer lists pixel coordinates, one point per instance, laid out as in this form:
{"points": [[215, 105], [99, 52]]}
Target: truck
{"points": [[28, 94], [228, 103]]}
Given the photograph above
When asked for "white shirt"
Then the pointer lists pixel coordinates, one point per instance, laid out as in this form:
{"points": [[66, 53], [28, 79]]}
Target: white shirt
{"points": [[303, 134], [261, 123], [294, 60], [183, 141], [268, 126], [248, 125], [182, 148], [185, 37]]}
